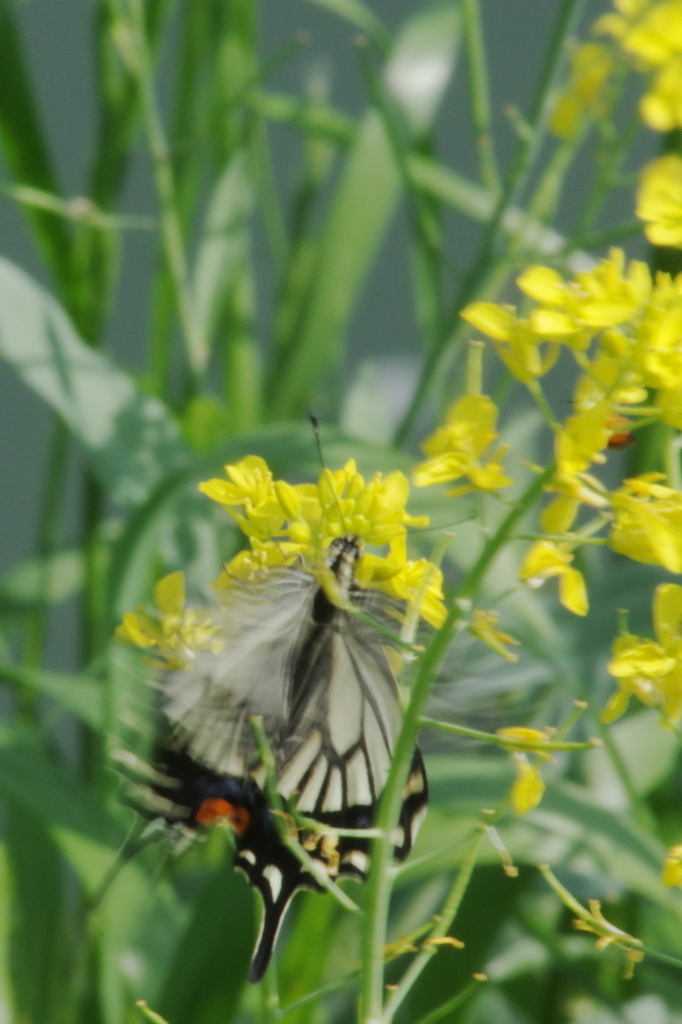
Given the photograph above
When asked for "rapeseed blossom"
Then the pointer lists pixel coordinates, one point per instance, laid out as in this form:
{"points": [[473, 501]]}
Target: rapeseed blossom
{"points": [[461, 448], [295, 524], [649, 33], [529, 786], [546, 559], [585, 96], [176, 633], [659, 200], [651, 670]]}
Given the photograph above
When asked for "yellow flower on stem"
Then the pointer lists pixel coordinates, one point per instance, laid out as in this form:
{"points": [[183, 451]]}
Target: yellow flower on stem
{"points": [[460, 448], [546, 559], [483, 625], [177, 633], [651, 670], [671, 873], [650, 33], [659, 200], [294, 525], [647, 523], [583, 99], [528, 788], [516, 342]]}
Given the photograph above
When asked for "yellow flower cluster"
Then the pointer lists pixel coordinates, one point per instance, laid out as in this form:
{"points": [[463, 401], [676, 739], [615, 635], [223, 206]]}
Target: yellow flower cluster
{"points": [[651, 670], [584, 98], [177, 633], [659, 200], [623, 330], [295, 524], [460, 448], [649, 32]]}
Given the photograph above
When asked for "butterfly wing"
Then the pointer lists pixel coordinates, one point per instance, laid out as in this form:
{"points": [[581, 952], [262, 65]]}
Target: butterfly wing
{"points": [[209, 706], [322, 681]]}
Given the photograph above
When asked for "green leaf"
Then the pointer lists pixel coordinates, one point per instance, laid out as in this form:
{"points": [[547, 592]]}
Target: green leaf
{"points": [[77, 822], [75, 693], [129, 438], [24, 144], [39, 581], [224, 244], [208, 971], [361, 211], [361, 16], [39, 954]]}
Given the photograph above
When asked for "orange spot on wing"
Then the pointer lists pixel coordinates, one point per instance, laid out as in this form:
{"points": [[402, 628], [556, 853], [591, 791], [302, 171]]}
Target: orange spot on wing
{"points": [[217, 810]]}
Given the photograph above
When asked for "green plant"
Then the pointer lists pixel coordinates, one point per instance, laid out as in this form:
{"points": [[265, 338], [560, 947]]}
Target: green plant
{"points": [[589, 362]]}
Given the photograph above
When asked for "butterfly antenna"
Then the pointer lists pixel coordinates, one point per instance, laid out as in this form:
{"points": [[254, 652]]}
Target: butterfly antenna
{"points": [[315, 423]]}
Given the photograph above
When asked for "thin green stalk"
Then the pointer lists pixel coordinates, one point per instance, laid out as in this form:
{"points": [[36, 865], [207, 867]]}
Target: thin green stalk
{"points": [[381, 872], [445, 1009], [481, 114], [428, 240], [488, 261], [48, 533], [446, 916], [639, 807], [134, 50], [501, 741]]}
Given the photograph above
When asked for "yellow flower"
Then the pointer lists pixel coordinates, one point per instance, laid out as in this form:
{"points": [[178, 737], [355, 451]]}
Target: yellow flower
{"points": [[647, 523], [525, 736], [659, 200], [177, 633], [483, 625], [583, 99], [295, 524], [672, 867], [650, 33], [647, 669], [546, 559], [528, 787], [583, 438], [515, 340], [461, 448]]}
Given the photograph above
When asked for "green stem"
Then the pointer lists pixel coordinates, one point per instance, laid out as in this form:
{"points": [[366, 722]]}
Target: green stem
{"points": [[381, 874], [135, 52], [480, 97], [501, 741], [489, 261], [442, 927]]}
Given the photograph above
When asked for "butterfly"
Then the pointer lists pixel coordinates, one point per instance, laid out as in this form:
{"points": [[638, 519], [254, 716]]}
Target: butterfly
{"points": [[320, 679]]}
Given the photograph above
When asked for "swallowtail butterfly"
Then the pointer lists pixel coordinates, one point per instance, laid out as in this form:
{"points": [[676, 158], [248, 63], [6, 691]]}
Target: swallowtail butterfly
{"points": [[322, 682]]}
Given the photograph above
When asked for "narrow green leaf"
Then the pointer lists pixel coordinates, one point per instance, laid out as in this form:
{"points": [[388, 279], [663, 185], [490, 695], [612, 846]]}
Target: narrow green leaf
{"points": [[24, 144], [129, 438], [361, 16], [39, 581], [75, 693], [39, 953], [223, 248], [363, 205], [6, 1008], [208, 972], [68, 810]]}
